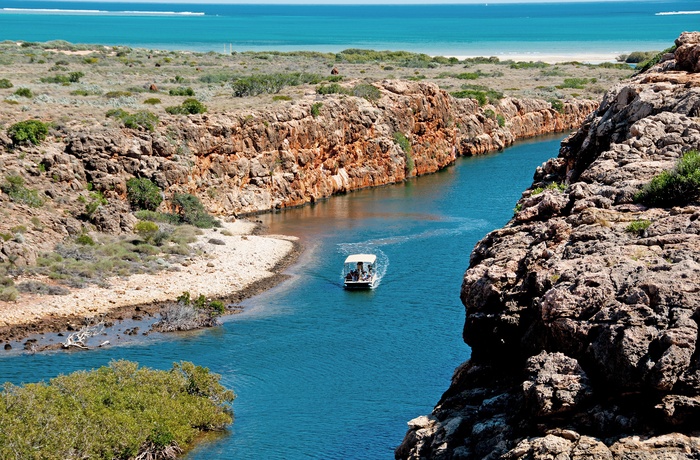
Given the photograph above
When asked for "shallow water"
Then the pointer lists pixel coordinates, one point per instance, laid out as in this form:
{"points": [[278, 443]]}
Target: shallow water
{"points": [[456, 30], [324, 373]]}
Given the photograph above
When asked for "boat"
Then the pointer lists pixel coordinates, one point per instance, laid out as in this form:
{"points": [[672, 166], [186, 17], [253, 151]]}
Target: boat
{"points": [[360, 271]]}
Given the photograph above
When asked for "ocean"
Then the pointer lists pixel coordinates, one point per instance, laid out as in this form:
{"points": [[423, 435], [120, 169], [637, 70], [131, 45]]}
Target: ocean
{"points": [[605, 27]]}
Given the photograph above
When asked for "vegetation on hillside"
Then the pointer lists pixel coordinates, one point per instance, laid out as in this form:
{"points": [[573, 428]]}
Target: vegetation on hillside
{"points": [[676, 187]]}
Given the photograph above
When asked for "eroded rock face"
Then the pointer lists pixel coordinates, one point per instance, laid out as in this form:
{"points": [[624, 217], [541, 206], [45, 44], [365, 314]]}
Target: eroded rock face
{"points": [[586, 332], [288, 157]]}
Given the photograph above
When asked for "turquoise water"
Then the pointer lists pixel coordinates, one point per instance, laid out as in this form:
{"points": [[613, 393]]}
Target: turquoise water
{"points": [[325, 373], [484, 29]]}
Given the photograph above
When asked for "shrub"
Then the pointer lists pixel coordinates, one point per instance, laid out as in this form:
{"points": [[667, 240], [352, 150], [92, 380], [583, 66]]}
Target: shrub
{"points": [[648, 64], [281, 97], [557, 105], [5, 83], [403, 142], [575, 83], [146, 229], [270, 83], [482, 94], [15, 189], [636, 57], [181, 91], [117, 411], [73, 77], [142, 119], [333, 88], [192, 211], [316, 109], [188, 107], [28, 131], [152, 101], [85, 240], [367, 91], [677, 187], [143, 194], [638, 227], [95, 200], [467, 76], [117, 94], [501, 120], [9, 294]]}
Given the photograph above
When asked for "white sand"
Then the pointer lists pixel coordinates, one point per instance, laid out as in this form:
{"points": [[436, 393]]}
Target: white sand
{"points": [[220, 271]]}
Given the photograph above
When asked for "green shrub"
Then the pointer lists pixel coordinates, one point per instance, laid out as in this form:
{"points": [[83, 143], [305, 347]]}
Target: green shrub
{"points": [[142, 119], [95, 200], [316, 109], [529, 65], [482, 94], [28, 131], [117, 94], [15, 189], [551, 186], [575, 83], [403, 142], [146, 229], [73, 77], [271, 83], [557, 105], [85, 240], [333, 88], [152, 101], [636, 57], [143, 194], [281, 97], [677, 187], [366, 91], [192, 211], [648, 64], [188, 107], [5, 83], [119, 411], [501, 120], [9, 294], [638, 227], [468, 76], [217, 306], [181, 91]]}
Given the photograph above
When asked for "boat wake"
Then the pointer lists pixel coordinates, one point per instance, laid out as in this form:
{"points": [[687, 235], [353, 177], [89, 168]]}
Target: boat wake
{"points": [[675, 13]]}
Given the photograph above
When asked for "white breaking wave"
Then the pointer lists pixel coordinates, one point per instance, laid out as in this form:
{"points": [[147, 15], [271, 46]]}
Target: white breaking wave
{"points": [[100, 12], [674, 13]]}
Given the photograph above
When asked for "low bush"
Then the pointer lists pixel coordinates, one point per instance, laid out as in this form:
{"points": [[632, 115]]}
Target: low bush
{"points": [[146, 229], [37, 287], [271, 83], [142, 193], [316, 109], [152, 101], [192, 211], [677, 187], [142, 119], [636, 57], [557, 105], [117, 94], [188, 107], [366, 91], [648, 64], [638, 227], [73, 77], [405, 145], [28, 132], [181, 91], [5, 83], [576, 83], [15, 189], [118, 411], [482, 95]]}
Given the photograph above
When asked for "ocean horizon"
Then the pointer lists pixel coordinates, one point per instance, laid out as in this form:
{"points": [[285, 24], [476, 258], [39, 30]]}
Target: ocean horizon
{"points": [[523, 29]]}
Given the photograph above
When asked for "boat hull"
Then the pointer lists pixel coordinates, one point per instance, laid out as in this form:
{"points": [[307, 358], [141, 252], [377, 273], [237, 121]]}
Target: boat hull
{"points": [[359, 284]]}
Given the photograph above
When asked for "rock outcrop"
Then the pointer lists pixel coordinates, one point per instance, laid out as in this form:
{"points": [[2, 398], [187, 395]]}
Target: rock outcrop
{"points": [[584, 330], [263, 160]]}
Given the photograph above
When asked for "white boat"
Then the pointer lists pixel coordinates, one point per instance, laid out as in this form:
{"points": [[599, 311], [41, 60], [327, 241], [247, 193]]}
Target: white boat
{"points": [[360, 271]]}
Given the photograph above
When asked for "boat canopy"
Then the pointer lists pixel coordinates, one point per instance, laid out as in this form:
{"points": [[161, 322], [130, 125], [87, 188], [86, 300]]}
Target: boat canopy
{"points": [[354, 258]]}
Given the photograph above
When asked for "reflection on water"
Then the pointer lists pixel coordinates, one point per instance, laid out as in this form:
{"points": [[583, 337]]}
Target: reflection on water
{"points": [[321, 372]]}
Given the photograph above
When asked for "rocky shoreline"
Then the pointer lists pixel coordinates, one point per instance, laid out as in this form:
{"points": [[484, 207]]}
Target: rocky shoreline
{"points": [[582, 312]]}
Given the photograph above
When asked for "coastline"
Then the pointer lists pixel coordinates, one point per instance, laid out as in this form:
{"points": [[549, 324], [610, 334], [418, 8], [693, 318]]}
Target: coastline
{"points": [[247, 264], [551, 58]]}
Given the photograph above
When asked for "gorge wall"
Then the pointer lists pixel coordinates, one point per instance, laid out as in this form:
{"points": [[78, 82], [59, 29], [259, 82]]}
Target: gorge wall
{"points": [[269, 159], [584, 331]]}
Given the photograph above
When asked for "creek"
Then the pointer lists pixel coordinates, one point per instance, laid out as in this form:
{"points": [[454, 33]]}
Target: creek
{"points": [[324, 373]]}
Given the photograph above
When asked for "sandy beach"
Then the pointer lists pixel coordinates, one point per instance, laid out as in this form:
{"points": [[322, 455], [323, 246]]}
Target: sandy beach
{"points": [[222, 271]]}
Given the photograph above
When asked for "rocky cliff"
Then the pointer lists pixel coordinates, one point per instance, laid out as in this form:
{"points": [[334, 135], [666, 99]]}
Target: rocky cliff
{"points": [[262, 160], [584, 328]]}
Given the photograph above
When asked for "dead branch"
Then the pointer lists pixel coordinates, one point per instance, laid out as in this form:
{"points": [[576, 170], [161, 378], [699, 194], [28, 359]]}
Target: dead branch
{"points": [[79, 338]]}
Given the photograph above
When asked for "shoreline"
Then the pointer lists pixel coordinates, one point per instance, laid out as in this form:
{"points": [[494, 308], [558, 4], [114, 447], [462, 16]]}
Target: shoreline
{"points": [[224, 272]]}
